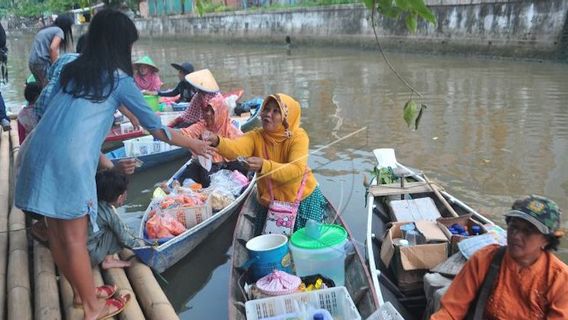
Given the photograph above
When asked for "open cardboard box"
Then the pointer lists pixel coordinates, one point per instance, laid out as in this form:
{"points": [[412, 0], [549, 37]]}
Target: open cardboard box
{"points": [[465, 221], [409, 264]]}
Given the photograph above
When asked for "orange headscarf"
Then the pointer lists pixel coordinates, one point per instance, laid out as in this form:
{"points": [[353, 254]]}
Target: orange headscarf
{"points": [[291, 114], [221, 126]]}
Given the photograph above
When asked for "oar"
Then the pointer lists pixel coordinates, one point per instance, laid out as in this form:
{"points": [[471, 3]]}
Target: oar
{"points": [[386, 157]]}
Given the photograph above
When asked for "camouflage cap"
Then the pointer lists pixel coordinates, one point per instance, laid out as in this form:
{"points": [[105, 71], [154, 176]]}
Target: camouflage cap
{"points": [[540, 211]]}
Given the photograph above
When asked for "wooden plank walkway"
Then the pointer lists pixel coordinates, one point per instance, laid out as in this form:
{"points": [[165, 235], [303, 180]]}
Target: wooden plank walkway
{"points": [[30, 287]]}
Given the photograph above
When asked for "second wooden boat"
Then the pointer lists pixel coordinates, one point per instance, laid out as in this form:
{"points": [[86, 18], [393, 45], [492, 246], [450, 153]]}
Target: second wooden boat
{"points": [[357, 277], [162, 256]]}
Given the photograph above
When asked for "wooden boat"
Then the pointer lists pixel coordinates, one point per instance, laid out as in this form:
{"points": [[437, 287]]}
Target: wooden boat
{"points": [[411, 305], [357, 277], [162, 256]]}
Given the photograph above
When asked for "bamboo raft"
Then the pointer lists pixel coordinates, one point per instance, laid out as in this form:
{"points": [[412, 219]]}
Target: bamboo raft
{"points": [[30, 287]]}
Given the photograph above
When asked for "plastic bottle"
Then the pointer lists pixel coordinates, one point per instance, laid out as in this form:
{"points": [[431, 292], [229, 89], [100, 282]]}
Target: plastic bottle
{"points": [[412, 237], [406, 227], [476, 230]]}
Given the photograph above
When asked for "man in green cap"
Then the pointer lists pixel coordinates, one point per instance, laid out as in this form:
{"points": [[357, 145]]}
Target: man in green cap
{"points": [[523, 280]]}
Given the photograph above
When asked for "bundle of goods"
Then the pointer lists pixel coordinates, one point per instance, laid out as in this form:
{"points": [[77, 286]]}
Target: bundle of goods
{"points": [[172, 214]]}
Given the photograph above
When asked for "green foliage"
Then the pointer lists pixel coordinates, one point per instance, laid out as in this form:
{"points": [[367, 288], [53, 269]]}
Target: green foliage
{"points": [[413, 9], [412, 113], [383, 175]]}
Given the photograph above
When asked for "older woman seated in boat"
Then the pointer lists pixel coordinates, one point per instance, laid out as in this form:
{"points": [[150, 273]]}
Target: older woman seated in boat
{"points": [[529, 281], [279, 153], [215, 120]]}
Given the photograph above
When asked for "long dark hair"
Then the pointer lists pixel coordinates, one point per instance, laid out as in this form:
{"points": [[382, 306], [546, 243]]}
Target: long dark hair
{"points": [[65, 23], [94, 74]]}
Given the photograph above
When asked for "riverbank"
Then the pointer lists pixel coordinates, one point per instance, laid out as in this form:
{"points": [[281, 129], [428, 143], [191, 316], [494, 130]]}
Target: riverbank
{"points": [[519, 29]]}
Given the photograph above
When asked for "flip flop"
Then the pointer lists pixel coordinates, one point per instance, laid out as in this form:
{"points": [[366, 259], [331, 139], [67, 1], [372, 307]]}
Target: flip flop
{"points": [[119, 303], [103, 292]]}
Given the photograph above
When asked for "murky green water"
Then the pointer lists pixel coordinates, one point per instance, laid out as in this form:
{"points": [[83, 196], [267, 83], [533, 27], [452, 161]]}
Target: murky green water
{"points": [[494, 130]]}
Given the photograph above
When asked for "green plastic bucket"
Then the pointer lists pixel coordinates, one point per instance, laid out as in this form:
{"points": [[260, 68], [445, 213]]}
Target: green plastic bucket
{"points": [[153, 102]]}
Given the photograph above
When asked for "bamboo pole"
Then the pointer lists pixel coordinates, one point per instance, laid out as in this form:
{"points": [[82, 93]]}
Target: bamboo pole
{"points": [[18, 280], [46, 294], [150, 296], [118, 276], [4, 207]]}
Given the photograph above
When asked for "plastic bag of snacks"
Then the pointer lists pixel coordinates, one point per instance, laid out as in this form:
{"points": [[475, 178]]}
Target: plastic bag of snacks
{"points": [[225, 180], [220, 199], [161, 226], [190, 208]]}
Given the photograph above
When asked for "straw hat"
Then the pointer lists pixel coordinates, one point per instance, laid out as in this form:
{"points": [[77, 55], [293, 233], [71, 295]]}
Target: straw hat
{"points": [[203, 80], [147, 61]]}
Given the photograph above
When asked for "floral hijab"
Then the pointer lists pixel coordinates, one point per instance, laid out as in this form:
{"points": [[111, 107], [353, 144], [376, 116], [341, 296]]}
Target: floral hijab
{"points": [[221, 126]]}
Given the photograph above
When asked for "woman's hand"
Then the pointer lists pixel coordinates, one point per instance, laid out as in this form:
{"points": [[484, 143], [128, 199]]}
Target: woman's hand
{"points": [[211, 138], [126, 166], [255, 163], [201, 148], [135, 124]]}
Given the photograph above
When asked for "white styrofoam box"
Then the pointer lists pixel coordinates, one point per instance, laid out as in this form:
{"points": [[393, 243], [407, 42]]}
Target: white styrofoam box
{"points": [[415, 210], [144, 146]]}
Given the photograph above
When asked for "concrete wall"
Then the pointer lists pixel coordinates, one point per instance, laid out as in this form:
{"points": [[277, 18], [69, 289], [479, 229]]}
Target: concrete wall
{"points": [[533, 29]]}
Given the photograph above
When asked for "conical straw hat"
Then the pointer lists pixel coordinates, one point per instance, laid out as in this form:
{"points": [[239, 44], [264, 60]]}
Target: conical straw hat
{"points": [[203, 80], [147, 61]]}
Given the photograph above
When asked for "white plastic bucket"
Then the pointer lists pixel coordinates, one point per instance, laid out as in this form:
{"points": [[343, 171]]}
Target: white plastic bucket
{"points": [[329, 262]]}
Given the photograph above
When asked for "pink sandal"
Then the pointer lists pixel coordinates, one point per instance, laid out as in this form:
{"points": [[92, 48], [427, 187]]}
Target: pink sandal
{"points": [[119, 303], [103, 292]]}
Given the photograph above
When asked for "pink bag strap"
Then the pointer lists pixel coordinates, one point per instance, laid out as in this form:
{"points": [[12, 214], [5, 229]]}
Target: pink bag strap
{"points": [[302, 185]]}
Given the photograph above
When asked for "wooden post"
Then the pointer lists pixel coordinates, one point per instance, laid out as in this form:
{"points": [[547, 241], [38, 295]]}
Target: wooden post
{"points": [[46, 295], [4, 207], [18, 285], [150, 296], [118, 276]]}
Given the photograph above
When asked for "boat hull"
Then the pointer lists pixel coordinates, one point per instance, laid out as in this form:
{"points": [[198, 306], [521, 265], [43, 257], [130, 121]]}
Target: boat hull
{"points": [[161, 257], [357, 278]]}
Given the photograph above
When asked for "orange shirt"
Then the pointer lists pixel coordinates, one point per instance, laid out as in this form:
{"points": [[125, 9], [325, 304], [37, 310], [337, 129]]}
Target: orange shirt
{"points": [[539, 291]]}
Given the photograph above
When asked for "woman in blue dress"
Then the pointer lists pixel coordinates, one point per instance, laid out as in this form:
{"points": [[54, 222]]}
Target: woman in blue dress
{"points": [[58, 161]]}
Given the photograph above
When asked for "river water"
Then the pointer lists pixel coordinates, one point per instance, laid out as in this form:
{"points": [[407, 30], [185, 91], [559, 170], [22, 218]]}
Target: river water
{"points": [[494, 130]]}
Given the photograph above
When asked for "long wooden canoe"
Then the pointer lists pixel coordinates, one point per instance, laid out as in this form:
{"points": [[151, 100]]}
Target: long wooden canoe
{"points": [[411, 305], [161, 257], [357, 277]]}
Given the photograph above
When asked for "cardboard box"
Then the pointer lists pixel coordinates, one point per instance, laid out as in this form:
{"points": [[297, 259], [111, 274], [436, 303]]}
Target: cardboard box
{"points": [[409, 264], [465, 221], [414, 210]]}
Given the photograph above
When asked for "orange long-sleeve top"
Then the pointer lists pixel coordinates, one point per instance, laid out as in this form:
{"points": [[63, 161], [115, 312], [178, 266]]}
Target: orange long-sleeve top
{"points": [[539, 291], [286, 163]]}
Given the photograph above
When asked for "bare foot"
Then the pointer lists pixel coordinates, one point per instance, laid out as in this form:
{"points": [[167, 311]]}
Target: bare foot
{"points": [[112, 262]]}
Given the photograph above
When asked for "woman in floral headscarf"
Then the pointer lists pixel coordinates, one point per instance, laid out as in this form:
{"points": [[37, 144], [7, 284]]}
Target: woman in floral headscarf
{"points": [[279, 153], [215, 120]]}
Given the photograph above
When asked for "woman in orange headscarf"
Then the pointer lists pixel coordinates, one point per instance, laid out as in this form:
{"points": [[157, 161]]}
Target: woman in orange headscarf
{"points": [[215, 120], [279, 153]]}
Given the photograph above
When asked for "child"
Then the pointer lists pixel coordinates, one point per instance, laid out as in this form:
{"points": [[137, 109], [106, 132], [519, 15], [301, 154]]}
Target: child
{"points": [[27, 117], [183, 89], [146, 74], [113, 234]]}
